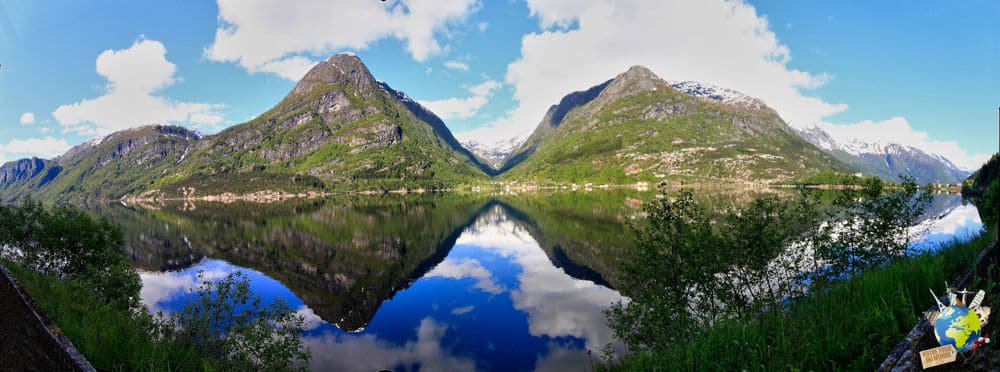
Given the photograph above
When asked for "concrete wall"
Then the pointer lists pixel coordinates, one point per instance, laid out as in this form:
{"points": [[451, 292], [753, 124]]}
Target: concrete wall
{"points": [[27, 341]]}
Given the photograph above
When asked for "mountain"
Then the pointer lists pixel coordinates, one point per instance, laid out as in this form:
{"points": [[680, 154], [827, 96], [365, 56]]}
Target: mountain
{"points": [[122, 163], [496, 153], [887, 160], [638, 127], [337, 128]]}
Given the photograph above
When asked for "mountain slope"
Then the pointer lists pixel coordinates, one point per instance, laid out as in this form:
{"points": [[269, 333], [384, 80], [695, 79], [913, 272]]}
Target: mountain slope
{"points": [[338, 128], [119, 164], [887, 160], [637, 127], [339, 125]]}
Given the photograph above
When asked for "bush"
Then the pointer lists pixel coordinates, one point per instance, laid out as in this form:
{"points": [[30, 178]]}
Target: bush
{"points": [[74, 267], [227, 321], [686, 274], [67, 243]]}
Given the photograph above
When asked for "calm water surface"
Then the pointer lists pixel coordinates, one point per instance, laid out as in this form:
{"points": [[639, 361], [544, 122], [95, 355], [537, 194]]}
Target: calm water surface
{"points": [[427, 282]]}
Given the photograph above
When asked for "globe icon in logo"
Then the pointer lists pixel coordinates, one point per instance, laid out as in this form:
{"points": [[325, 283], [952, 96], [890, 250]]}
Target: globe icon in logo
{"points": [[957, 326]]}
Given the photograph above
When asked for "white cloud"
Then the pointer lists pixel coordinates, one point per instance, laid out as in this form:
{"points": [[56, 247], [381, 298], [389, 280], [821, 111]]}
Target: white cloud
{"points": [[160, 288], [269, 36], [311, 320], [725, 43], [47, 148], [27, 118], [721, 42], [291, 68], [482, 26], [456, 65], [133, 75], [467, 268], [898, 130], [557, 304], [454, 107], [331, 352]]}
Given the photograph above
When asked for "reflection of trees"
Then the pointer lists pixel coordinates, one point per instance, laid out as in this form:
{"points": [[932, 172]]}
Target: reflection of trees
{"points": [[341, 258], [586, 233]]}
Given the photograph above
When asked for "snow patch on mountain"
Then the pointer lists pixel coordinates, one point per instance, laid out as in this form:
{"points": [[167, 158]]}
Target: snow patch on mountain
{"points": [[714, 93]]}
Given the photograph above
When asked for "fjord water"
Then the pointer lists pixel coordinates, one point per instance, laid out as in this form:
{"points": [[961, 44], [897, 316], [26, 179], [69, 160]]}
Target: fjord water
{"points": [[435, 282]]}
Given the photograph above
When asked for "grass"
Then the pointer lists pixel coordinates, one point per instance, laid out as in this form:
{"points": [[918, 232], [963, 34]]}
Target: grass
{"points": [[109, 338], [852, 325]]}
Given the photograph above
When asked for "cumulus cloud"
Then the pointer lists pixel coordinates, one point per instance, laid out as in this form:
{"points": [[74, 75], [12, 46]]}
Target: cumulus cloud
{"points": [[269, 36], [134, 75], [47, 147], [368, 353], [898, 130], [455, 107], [467, 268], [27, 118], [725, 43], [558, 305], [160, 288], [456, 65], [585, 43]]}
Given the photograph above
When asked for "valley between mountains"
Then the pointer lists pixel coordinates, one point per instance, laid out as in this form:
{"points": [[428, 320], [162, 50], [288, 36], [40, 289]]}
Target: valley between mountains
{"points": [[340, 130]]}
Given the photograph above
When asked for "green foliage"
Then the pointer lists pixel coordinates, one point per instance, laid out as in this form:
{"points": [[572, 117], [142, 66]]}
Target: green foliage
{"points": [[687, 275], [229, 322], [870, 228], [703, 142], [73, 266], [65, 242], [982, 187], [110, 339], [850, 325]]}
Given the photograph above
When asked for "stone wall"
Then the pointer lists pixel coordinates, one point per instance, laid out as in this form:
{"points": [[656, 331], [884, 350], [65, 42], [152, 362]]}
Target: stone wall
{"points": [[30, 341]]}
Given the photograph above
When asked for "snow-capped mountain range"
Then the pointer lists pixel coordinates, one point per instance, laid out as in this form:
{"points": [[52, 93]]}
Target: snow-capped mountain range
{"points": [[885, 159], [495, 153]]}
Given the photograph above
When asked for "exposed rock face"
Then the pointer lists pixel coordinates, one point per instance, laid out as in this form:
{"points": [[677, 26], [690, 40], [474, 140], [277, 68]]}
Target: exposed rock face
{"points": [[343, 69], [21, 170], [377, 135]]}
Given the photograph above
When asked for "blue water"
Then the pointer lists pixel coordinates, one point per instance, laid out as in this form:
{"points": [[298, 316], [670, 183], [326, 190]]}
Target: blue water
{"points": [[496, 302]]}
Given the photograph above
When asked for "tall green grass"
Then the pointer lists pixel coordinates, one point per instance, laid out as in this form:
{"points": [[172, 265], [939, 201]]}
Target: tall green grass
{"points": [[851, 325], [108, 337]]}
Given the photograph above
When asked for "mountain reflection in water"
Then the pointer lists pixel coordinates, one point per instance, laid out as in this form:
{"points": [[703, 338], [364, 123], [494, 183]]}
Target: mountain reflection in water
{"points": [[494, 300], [429, 282]]}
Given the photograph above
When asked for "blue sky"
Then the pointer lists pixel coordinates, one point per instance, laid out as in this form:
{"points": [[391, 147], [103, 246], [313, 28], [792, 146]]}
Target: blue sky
{"points": [[919, 73]]}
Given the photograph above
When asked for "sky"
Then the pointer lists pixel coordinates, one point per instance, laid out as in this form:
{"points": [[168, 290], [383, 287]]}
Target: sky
{"points": [[920, 73]]}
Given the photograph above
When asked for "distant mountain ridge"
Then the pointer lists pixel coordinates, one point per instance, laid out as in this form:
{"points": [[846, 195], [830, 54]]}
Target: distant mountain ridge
{"points": [[887, 160]]}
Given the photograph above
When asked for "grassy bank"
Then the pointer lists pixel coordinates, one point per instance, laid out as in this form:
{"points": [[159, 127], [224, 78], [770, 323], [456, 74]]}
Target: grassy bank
{"points": [[851, 325], [108, 337]]}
